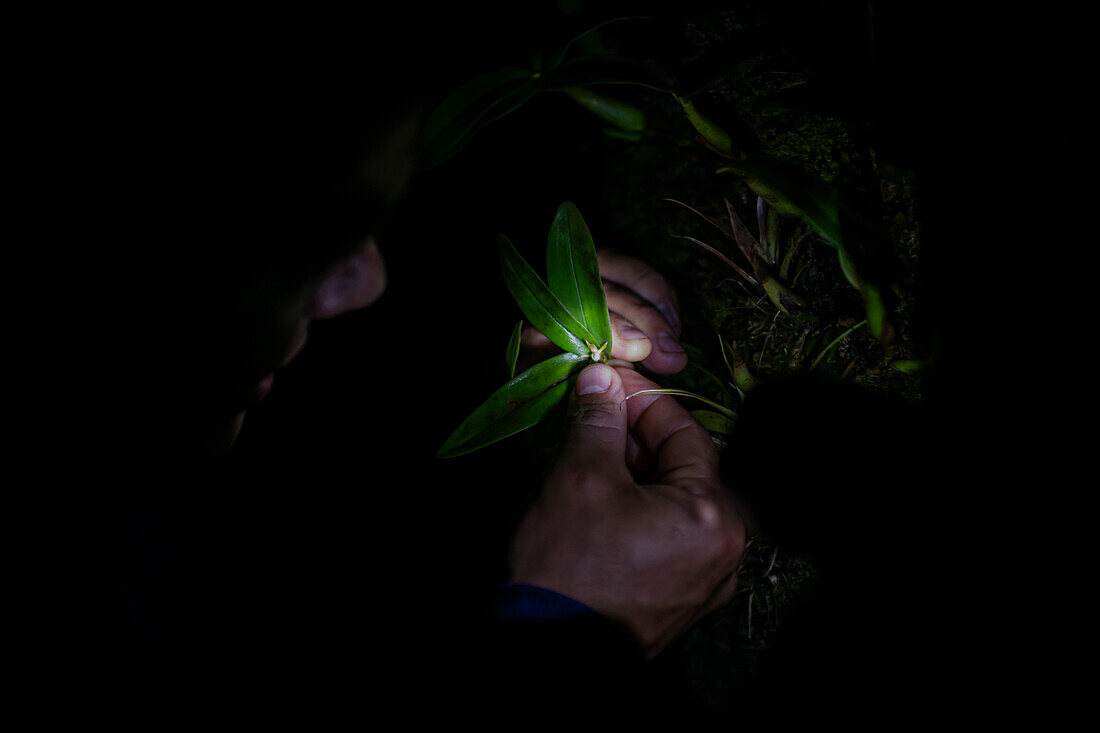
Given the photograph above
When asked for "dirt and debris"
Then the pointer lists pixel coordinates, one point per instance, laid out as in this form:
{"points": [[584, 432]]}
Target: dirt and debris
{"points": [[827, 337]]}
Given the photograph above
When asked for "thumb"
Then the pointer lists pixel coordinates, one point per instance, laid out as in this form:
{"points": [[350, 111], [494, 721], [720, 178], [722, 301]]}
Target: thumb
{"points": [[596, 437]]}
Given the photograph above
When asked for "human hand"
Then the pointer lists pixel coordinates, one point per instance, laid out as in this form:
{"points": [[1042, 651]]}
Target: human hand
{"points": [[644, 313], [633, 519]]}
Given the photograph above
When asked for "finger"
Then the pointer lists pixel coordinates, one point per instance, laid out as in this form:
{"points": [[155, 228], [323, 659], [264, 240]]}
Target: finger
{"points": [[685, 455], [630, 343], [595, 442], [667, 356], [534, 347], [533, 338], [721, 596], [636, 275], [638, 460]]}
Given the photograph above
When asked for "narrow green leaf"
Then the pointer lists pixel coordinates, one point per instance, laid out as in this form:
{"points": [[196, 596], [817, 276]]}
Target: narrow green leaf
{"points": [[577, 26], [539, 305], [486, 99], [683, 393], [624, 116], [516, 406], [511, 354], [573, 273], [481, 88], [720, 256], [792, 191], [834, 342], [605, 68], [716, 223]]}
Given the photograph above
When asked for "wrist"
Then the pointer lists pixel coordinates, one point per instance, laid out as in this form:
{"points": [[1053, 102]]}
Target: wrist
{"points": [[516, 601]]}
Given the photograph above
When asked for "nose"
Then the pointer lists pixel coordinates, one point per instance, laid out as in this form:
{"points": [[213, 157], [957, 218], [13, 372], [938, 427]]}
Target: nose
{"points": [[354, 282]]}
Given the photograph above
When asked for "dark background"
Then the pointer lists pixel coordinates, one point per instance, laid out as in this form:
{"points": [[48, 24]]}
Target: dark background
{"points": [[348, 539]]}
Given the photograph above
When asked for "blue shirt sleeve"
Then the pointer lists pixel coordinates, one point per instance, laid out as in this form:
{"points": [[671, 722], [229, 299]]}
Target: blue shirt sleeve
{"points": [[518, 601]]}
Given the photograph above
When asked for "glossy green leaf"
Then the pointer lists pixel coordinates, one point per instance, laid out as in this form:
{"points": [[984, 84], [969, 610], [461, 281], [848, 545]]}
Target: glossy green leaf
{"points": [[573, 273], [539, 305], [511, 354], [472, 106], [622, 115], [709, 131], [516, 406]]}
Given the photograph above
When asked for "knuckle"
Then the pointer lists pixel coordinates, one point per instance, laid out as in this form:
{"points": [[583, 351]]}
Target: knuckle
{"points": [[707, 515], [566, 476], [723, 537], [647, 274]]}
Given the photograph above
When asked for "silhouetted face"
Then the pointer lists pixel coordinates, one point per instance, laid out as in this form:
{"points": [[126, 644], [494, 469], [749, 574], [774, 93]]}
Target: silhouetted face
{"points": [[288, 227]]}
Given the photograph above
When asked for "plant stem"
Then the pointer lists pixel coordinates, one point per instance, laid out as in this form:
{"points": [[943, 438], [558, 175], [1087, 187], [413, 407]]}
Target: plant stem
{"points": [[835, 342]]}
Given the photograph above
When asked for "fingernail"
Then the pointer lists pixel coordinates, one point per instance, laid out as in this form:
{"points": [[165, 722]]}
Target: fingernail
{"points": [[629, 333], [670, 314], [594, 380], [667, 342]]}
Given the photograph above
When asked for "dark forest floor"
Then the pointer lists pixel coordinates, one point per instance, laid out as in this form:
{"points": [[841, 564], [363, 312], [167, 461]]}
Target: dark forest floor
{"points": [[824, 338]]}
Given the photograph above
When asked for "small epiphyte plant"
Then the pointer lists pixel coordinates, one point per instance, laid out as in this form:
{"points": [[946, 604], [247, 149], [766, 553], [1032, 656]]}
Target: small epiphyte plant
{"points": [[573, 63], [718, 418], [760, 254], [569, 308]]}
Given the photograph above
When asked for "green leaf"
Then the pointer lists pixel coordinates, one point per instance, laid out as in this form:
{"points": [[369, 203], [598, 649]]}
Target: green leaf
{"points": [[477, 103], [511, 354], [516, 406], [539, 305], [577, 25], [479, 89], [792, 191], [710, 132], [622, 115], [713, 422], [605, 68], [573, 273], [721, 409], [834, 342], [739, 371]]}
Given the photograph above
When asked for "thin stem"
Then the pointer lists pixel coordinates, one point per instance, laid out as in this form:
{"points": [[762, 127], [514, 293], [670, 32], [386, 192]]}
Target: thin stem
{"points": [[727, 412], [835, 342]]}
